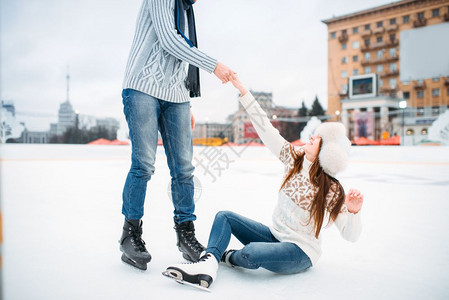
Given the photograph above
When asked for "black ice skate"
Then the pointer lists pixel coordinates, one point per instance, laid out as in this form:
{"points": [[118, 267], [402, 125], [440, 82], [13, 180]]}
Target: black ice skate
{"points": [[187, 243], [226, 257], [200, 274], [132, 245]]}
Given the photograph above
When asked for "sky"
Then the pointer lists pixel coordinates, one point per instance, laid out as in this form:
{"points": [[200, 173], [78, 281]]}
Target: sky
{"points": [[274, 46]]}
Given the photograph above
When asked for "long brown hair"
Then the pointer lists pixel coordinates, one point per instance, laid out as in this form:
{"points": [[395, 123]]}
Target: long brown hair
{"points": [[324, 183]]}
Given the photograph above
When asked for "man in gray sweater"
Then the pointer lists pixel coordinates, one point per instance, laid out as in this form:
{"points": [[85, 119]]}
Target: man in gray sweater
{"points": [[156, 96]]}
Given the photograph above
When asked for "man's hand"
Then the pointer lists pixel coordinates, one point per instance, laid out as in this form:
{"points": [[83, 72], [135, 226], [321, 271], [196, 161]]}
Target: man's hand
{"points": [[223, 72], [192, 120], [354, 201]]}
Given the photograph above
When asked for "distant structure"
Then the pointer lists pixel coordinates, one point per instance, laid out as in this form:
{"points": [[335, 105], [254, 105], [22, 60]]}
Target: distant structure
{"points": [[67, 116], [369, 57], [10, 128], [238, 128]]}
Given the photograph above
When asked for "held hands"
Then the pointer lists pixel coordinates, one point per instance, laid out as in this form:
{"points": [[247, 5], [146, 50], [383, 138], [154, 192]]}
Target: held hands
{"points": [[224, 73], [354, 201]]}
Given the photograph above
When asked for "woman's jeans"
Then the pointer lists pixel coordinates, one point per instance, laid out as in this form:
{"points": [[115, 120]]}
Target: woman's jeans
{"points": [[146, 115], [261, 249]]}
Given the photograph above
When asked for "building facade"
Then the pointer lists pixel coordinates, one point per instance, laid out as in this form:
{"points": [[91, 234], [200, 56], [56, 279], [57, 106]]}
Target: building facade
{"points": [[367, 42]]}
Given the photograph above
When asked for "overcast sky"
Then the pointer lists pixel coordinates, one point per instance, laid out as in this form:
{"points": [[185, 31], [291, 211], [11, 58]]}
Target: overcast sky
{"points": [[274, 46]]}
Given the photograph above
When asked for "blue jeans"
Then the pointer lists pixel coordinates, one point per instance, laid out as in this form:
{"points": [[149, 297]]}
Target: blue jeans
{"points": [[146, 115], [261, 248]]}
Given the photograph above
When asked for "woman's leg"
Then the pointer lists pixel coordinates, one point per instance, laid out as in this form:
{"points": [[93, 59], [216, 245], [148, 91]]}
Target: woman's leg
{"points": [[282, 258], [244, 229]]}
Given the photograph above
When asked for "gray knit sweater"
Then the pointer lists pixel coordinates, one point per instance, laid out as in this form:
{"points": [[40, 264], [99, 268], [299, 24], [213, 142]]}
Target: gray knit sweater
{"points": [[157, 63]]}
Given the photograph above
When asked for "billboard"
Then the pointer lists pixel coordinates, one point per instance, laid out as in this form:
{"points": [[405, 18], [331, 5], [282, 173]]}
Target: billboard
{"points": [[424, 52], [249, 132], [362, 86]]}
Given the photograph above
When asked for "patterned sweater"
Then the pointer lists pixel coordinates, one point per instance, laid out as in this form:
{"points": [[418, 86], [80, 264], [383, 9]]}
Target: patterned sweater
{"points": [[292, 212], [157, 63]]}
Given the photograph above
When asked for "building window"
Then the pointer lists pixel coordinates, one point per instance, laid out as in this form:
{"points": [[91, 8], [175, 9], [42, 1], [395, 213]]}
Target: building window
{"points": [[380, 53], [355, 58], [405, 19], [424, 131], [344, 60], [435, 92], [406, 95], [392, 21], [355, 45], [344, 88], [333, 35], [355, 30], [420, 111], [393, 52], [420, 15], [355, 72], [393, 67], [435, 110], [367, 27], [392, 82], [392, 37], [367, 56], [435, 12], [420, 94], [381, 82], [405, 82], [344, 31], [380, 24], [367, 70], [343, 46], [379, 39], [436, 79], [447, 93], [344, 74]]}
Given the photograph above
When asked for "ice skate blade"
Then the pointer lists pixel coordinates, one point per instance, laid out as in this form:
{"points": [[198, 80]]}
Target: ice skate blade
{"points": [[136, 264], [177, 276]]}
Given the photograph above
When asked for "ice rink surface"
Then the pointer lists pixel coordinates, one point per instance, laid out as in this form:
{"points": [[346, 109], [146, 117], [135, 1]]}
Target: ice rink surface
{"points": [[62, 219]]}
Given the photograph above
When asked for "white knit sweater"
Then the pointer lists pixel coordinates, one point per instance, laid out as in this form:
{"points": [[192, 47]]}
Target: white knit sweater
{"points": [[292, 212], [157, 63]]}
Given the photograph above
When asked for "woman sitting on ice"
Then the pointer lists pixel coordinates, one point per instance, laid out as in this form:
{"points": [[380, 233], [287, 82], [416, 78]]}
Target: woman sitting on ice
{"points": [[308, 195]]}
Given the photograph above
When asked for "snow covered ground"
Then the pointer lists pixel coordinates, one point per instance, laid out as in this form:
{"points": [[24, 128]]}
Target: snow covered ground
{"points": [[61, 207]]}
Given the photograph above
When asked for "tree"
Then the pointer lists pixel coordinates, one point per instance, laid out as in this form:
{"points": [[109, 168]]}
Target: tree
{"points": [[317, 109], [303, 111], [74, 135]]}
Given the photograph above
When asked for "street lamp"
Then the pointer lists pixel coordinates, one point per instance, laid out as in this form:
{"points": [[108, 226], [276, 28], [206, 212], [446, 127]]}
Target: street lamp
{"points": [[403, 106], [337, 113]]}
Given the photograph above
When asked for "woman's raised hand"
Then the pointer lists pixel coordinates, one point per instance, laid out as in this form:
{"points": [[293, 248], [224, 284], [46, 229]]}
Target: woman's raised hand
{"points": [[354, 201], [235, 80]]}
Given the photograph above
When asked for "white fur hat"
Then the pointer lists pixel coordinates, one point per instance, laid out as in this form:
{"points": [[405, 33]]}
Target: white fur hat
{"points": [[334, 154]]}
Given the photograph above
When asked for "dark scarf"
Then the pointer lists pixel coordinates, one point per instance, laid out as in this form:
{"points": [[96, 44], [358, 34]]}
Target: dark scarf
{"points": [[193, 75]]}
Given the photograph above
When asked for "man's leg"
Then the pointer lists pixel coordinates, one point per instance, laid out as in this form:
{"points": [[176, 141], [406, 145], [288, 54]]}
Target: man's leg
{"points": [[141, 112], [174, 125]]}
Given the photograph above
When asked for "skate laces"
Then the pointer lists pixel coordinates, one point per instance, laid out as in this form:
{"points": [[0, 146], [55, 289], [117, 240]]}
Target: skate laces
{"points": [[191, 239], [138, 243]]}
